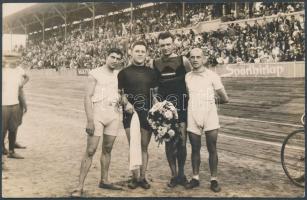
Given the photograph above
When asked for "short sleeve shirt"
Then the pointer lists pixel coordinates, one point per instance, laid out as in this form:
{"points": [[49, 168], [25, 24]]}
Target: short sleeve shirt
{"points": [[11, 81], [106, 89], [201, 86]]}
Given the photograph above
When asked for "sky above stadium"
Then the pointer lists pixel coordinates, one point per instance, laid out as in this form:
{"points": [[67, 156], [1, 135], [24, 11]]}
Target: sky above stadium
{"points": [[11, 8]]}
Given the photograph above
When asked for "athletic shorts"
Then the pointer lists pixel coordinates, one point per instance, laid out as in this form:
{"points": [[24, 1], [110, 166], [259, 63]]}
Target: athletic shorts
{"points": [[10, 118], [107, 119], [142, 117], [202, 120]]}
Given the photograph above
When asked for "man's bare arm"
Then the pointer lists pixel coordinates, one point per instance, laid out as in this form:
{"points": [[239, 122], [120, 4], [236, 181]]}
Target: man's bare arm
{"points": [[89, 92], [222, 96], [26, 79], [22, 100], [187, 64], [128, 107], [155, 96]]}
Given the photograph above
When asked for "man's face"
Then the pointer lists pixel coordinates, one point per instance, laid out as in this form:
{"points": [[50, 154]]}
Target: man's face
{"points": [[197, 58], [167, 46], [138, 54], [113, 60]]}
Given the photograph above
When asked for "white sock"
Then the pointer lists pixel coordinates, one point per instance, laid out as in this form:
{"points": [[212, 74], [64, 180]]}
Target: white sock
{"points": [[213, 178], [196, 177]]}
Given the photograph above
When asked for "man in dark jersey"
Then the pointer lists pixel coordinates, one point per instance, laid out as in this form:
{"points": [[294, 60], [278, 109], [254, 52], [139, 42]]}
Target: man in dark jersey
{"points": [[171, 70], [136, 82]]}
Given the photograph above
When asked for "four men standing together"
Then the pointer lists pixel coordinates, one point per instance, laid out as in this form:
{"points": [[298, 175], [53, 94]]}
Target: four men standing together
{"points": [[120, 94]]}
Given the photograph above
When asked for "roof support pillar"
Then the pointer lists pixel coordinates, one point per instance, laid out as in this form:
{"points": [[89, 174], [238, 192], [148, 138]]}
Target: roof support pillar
{"points": [[92, 10], [131, 17], [93, 6], [24, 26], [42, 23], [63, 15], [183, 12]]}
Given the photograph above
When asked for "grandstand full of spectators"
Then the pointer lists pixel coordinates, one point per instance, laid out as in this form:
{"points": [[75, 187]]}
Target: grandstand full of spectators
{"points": [[270, 39]]}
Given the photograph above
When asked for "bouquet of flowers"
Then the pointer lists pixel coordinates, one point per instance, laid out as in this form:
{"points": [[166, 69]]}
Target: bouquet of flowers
{"points": [[163, 119]]}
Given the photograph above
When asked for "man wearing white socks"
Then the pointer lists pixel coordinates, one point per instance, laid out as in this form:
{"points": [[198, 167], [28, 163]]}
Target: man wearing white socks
{"points": [[202, 84]]}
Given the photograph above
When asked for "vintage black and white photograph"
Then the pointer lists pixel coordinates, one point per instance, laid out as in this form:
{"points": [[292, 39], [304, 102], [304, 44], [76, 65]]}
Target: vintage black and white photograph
{"points": [[153, 99]]}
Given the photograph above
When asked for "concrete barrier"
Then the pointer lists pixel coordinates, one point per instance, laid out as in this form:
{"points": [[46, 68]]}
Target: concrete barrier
{"points": [[280, 69], [52, 72]]}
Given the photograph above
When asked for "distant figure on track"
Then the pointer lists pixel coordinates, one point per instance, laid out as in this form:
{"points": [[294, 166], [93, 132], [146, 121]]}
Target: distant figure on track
{"points": [[202, 84], [103, 118]]}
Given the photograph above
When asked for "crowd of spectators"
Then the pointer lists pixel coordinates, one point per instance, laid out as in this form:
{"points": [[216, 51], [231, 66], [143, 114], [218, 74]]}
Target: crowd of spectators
{"points": [[281, 39], [153, 19], [268, 40], [169, 16], [262, 9]]}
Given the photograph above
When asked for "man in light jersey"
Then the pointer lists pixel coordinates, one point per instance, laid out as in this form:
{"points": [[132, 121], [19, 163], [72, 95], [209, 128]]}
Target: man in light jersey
{"points": [[12, 84], [104, 118], [202, 84], [21, 98]]}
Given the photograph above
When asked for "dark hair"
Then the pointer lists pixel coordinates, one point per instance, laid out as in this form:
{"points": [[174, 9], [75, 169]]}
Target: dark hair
{"points": [[115, 50], [139, 43], [165, 35]]}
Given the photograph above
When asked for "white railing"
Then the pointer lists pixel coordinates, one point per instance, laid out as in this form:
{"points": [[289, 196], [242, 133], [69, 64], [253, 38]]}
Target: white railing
{"points": [[279, 69]]}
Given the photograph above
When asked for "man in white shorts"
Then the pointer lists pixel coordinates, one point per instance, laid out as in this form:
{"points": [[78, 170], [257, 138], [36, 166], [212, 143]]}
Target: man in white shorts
{"points": [[202, 84], [104, 118]]}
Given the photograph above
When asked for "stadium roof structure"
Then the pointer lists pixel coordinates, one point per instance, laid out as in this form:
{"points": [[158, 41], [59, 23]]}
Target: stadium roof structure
{"points": [[48, 15]]}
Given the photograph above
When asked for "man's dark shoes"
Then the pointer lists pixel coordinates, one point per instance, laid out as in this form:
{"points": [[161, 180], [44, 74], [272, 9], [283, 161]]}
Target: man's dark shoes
{"points": [[173, 182], [4, 167], [14, 155], [192, 184], [215, 186], [133, 183], [182, 180], [108, 186], [18, 146], [5, 151], [144, 184]]}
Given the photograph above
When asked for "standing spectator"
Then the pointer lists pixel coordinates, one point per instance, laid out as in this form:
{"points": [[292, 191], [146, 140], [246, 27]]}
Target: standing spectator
{"points": [[12, 93]]}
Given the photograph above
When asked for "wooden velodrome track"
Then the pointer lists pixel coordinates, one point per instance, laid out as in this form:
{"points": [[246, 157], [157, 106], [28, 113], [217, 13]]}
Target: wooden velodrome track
{"points": [[260, 109], [261, 112]]}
